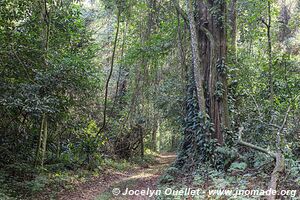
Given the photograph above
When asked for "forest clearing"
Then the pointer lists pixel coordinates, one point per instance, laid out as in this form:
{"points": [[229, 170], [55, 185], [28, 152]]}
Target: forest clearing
{"points": [[149, 99]]}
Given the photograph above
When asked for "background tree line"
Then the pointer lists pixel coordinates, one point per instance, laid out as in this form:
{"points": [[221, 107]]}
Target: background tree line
{"points": [[82, 81]]}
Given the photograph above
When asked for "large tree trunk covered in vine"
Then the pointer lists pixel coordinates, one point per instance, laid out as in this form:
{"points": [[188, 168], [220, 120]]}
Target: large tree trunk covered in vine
{"points": [[212, 32], [208, 79], [197, 65]]}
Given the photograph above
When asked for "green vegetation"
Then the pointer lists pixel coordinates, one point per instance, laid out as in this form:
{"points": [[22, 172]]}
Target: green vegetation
{"points": [[89, 87]]}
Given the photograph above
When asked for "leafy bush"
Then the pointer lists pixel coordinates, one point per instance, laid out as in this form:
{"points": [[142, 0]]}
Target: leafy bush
{"points": [[4, 196], [37, 184], [293, 168], [173, 171], [167, 178], [238, 166], [170, 175], [120, 165]]}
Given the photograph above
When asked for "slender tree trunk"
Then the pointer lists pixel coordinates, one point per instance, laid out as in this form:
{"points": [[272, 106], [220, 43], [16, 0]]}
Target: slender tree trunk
{"points": [[44, 145], [181, 58], [160, 146], [233, 30], [141, 142], [38, 149], [110, 72], [45, 35], [121, 65], [153, 138], [270, 55], [58, 144]]}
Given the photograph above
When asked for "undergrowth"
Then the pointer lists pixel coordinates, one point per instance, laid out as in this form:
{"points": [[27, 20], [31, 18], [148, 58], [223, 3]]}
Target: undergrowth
{"points": [[23, 181], [241, 175]]}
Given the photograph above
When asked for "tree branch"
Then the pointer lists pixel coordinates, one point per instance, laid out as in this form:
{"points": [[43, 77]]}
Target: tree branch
{"points": [[252, 146]]}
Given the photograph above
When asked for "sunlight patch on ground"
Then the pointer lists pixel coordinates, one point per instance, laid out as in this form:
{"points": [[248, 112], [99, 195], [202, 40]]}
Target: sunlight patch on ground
{"points": [[140, 176]]}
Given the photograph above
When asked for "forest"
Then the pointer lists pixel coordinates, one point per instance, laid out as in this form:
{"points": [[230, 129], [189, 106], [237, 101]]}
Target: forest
{"points": [[149, 99]]}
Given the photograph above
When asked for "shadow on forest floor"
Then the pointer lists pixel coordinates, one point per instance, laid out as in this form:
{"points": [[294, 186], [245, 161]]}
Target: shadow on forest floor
{"points": [[137, 178]]}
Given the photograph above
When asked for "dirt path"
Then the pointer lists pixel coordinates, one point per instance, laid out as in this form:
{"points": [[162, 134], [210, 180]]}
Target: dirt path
{"points": [[102, 188]]}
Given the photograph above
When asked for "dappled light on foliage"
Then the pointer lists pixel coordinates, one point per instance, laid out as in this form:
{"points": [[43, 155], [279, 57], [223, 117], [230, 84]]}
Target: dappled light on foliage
{"points": [[100, 96]]}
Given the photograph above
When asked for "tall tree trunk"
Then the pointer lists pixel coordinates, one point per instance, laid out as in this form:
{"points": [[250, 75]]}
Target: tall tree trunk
{"points": [[44, 145], [153, 140], [212, 31], [121, 81], [233, 28], [110, 72], [141, 132], [40, 141], [45, 35], [270, 55], [223, 73], [181, 58], [197, 67]]}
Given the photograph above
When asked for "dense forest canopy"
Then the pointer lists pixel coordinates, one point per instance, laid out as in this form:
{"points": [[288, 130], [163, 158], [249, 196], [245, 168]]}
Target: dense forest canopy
{"points": [[89, 85]]}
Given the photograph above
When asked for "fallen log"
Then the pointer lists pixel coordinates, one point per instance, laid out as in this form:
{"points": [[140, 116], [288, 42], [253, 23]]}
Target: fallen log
{"points": [[279, 163]]}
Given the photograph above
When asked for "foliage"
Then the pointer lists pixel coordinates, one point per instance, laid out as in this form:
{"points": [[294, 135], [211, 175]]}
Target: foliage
{"points": [[54, 60], [238, 166], [85, 151]]}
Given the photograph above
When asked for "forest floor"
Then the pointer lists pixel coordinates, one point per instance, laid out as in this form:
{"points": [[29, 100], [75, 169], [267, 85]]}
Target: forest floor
{"points": [[137, 178]]}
